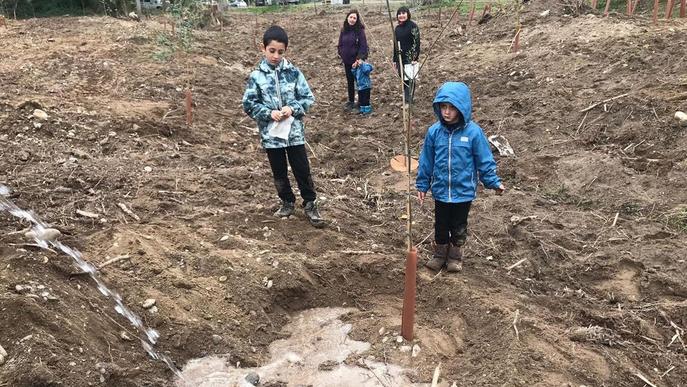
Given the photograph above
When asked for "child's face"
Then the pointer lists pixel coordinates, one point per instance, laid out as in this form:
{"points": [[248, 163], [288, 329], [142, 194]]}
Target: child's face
{"points": [[352, 19], [274, 52], [449, 113], [403, 16]]}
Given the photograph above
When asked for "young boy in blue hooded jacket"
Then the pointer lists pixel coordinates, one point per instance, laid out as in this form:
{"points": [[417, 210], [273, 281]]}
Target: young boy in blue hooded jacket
{"points": [[364, 83], [454, 155], [277, 93]]}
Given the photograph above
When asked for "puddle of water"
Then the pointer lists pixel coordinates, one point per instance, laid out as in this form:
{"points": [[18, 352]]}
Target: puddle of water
{"points": [[312, 356]]}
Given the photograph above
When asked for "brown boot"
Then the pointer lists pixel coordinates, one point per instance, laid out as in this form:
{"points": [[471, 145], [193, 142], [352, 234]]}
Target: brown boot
{"points": [[439, 258], [455, 259]]}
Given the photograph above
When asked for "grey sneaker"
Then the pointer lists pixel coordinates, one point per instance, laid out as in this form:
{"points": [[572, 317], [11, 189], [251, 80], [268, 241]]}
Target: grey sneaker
{"points": [[349, 106], [314, 215], [287, 209]]}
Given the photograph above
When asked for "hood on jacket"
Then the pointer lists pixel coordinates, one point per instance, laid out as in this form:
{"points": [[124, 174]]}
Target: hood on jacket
{"points": [[458, 95]]}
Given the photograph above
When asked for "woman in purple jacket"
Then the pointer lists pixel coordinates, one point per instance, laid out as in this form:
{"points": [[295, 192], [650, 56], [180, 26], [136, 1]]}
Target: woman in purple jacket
{"points": [[352, 50]]}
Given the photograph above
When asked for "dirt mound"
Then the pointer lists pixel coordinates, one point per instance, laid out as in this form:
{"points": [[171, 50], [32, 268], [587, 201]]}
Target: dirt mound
{"points": [[595, 210]]}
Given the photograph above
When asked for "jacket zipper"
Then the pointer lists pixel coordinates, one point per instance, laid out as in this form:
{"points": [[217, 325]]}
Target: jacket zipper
{"points": [[450, 136], [276, 79]]}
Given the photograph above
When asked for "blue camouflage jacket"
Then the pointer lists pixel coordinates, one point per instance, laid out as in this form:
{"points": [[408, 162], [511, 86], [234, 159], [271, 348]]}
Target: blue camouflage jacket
{"points": [[452, 160], [271, 88], [362, 76]]}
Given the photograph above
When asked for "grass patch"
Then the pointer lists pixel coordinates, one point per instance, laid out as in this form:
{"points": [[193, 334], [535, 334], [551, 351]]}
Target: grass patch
{"points": [[677, 219]]}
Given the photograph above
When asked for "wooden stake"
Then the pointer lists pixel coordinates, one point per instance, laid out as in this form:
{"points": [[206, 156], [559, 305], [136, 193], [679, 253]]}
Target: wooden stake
{"points": [[669, 9], [608, 6], [634, 6], [472, 13], [655, 12], [682, 8], [189, 107], [515, 46], [595, 3]]}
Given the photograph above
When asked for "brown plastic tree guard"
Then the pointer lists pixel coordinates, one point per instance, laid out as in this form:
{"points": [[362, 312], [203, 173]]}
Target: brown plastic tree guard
{"points": [[409, 289], [655, 13], [682, 8]]}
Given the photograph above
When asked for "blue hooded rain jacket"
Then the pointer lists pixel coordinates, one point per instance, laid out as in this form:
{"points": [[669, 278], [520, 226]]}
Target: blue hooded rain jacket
{"points": [[451, 161], [362, 76]]}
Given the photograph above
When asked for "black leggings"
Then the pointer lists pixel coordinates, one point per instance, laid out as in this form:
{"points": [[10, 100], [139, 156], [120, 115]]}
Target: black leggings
{"points": [[364, 97], [350, 80], [298, 158], [451, 222]]}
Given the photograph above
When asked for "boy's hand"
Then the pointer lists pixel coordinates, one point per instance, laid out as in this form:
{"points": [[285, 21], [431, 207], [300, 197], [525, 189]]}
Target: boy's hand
{"points": [[500, 189], [277, 115], [421, 197], [286, 112]]}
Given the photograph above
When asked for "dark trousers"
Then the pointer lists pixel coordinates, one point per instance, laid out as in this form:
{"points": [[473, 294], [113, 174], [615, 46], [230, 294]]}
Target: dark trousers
{"points": [[298, 159], [350, 80], [364, 97], [451, 222]]}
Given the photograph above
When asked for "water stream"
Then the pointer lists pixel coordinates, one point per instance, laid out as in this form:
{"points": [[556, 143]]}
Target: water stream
{"points": [[148, 336]]}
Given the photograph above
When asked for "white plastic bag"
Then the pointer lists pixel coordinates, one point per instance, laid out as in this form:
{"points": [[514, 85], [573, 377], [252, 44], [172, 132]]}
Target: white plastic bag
{"points": [[411, 70], [280, 129]]}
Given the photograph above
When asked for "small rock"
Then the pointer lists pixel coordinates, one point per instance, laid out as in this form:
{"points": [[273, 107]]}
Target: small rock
{"points": [[216, 339], [46, 234], [382, 331], [399, 339], [40, 114], [269, 284], [3, 355], [253, 378], [224, 238], [385, 339], [149, 303], [23, 155], [135, 127], [405, 348], [545, 13], [148, 169], [223, 278], [153, 310], [416, 350], [124, 336], [682, 118]]}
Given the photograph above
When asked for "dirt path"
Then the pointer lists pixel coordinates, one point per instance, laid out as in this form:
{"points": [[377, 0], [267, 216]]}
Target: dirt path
{"points": [[599, 298]]}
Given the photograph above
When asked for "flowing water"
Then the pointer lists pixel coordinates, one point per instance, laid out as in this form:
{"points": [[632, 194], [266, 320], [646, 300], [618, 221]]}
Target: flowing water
{"points": [[148, 336], [313, 355]]}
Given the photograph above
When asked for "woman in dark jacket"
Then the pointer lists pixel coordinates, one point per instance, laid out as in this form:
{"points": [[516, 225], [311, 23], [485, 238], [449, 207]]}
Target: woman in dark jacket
{"points": [[408, 35], [352, 50]]}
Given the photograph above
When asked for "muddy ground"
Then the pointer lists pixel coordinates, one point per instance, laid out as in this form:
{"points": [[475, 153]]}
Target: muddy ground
{"points": [[595, 203]]}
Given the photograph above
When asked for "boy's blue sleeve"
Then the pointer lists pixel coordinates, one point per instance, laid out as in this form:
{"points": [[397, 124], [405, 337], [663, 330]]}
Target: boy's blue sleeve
{"points": [[484, 161], [426, 168], [304, 97], [252, 102]]}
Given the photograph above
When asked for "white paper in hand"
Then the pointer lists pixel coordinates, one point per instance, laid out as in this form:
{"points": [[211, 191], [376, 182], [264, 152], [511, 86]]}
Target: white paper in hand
{"points": [[281, 129], [411, 71]]}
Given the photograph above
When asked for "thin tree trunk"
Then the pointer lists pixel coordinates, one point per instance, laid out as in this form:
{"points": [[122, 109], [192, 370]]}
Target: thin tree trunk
{"points": [[138, 8]]}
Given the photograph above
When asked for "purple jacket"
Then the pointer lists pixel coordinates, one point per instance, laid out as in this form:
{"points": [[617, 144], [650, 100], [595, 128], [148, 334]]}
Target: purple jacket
{"points": [[352, 45]]}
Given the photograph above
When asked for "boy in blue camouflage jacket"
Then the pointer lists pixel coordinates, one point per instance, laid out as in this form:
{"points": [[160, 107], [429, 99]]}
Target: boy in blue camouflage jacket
{"points": [[277, 97]]}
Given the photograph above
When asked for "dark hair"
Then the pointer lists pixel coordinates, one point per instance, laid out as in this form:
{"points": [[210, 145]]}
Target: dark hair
{"points": [[358, 22], [403, 9], [275, 33]]}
